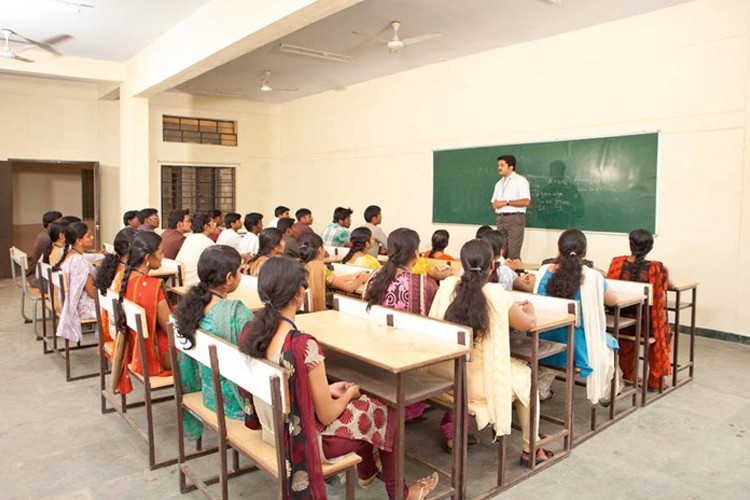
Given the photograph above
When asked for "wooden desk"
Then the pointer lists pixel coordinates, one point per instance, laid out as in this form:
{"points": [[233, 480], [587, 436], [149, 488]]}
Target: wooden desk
{"points": [[675, 306], [383, 360]]}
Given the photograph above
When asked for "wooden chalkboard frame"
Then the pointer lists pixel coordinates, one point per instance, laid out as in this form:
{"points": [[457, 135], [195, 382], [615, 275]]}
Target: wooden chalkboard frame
{"points": [[604, 174]]}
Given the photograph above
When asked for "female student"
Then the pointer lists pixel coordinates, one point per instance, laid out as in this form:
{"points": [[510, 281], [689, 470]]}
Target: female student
{"points": [[320, 277], [206, 307], [635, 267], [113, 265], [440, 240], [332, 411], [54, 250], [503, 274], [145, 254], [270, 244], [395, 285], [360, 242], [493, 375], [569, 278], [79, 302]]}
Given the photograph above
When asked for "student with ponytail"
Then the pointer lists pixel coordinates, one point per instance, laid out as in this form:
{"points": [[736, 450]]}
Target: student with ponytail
{"points": [[635, 267], [79, 302], [333, 411], [569, 278], [320, 276], [53, 253], [206, 307], [270, 243], [440, 240], [396, 285], [145, 254], [495, 379], [360, 242], [109, 275]]}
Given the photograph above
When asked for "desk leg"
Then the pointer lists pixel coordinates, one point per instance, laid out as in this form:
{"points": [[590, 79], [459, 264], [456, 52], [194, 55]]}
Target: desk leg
{"points": [[460, 429], [570, 374], [533, 399], [636, 351], [613, 382], [646, 337], [675, 354], [399, 445], [692, 332]]}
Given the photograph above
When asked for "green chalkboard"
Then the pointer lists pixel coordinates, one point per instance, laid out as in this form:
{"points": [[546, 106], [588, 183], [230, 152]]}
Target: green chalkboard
{"points": [[606, 184]]}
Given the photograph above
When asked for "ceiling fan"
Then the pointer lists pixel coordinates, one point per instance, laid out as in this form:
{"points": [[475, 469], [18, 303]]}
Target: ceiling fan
{"points": [[27, 43], [395, 43], [265, 84]]}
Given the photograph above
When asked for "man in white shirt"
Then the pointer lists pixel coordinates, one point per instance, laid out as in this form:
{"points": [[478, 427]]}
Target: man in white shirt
{"points": [[373, 218], [229, 236], [203, 228], [254, 225], [509, 200], [279, 212]]}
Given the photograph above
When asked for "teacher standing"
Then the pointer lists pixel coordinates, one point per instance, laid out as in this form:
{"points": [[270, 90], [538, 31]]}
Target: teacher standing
{"points": [[510, 199]]}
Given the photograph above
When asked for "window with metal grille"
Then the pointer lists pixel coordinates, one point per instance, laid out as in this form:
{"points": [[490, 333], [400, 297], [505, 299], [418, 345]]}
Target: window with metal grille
{"points": [[201, 189], [87, 194], [199, 130]]}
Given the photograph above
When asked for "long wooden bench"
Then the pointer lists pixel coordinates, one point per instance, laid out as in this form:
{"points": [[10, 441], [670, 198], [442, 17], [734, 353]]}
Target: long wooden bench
{"points": [[268, 383]]}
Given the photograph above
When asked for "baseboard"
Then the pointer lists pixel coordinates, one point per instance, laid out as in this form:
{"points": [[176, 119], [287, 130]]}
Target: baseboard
{"points": [[717, 334]]}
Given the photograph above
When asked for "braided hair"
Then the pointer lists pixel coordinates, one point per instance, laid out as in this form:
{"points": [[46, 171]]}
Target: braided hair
{"points": [[108, 268], [55, 230], [440, 239], [144, 243], [469, 306], [402, 247], [213, 266], [358, 240], [309, 245], [279, 281], [641, 243], [73, 232], [566, 281]]}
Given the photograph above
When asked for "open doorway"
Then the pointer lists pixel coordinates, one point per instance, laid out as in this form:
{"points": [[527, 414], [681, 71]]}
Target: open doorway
{"points": [[37, 186]]}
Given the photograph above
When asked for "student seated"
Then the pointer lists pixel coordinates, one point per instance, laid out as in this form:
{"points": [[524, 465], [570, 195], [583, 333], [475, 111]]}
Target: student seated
{"points": [[279, 213], [569, 278], [41, 243], [79, 273], [635, 267], [303, 225], [53, 253], [336, 234], [109, 275], [321, 277], [145, 254], [130, 219], [503, 274], [485, 307], [395, 286], [206, 307], [336, 415], [254, 225], [178, 225], [271, 244], [482, 230], [440, 239], [203, 227], [149, 219], [229, 236], [291, 247], [373, 220], [360, 242]]}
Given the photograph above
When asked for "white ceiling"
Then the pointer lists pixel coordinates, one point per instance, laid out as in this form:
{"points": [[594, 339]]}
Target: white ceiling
{"points": [[115, 30], [468, 27]]}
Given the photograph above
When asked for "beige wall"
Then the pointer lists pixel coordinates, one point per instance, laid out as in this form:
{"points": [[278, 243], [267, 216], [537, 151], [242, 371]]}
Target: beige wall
{"points": [[682, 71], [255, 157], [39, 189], [61, 120]]}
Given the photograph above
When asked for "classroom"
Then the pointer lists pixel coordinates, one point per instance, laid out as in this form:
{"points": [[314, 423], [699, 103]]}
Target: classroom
{"points": [[363, 132]]}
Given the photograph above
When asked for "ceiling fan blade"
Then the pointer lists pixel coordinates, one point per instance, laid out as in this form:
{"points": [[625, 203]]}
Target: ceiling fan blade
{"points": [[372, 37], [57, 39], [45, 45], [422, 38], [22, 59], [285, 90]]}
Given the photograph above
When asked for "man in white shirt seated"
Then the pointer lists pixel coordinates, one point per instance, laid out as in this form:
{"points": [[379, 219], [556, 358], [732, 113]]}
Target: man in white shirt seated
{"points": [[279, 212], [254, 225], [229, 236], [203, 228]]}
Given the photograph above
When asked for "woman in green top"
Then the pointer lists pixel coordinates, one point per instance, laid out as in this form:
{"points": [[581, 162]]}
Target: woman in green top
{"points": [[206, 307]]}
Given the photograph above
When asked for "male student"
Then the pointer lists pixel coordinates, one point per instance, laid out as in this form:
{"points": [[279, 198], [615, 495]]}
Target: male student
{"points": [[279, 212], [216, 216], [373, 218], [173, 237], [291, 247], [229, 236], [203, 227], [130, 219], [41, 243], [304, 221], [149, 219], [253, 225], [336, 235]]}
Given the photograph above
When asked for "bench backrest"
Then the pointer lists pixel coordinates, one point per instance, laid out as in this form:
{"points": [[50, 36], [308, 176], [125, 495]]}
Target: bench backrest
{"points": [[175, 267], [135, 317], [253, 375], [344, 269], [549, 304], [632, 287], [19, 264], [333, 251], [455, 265]]}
